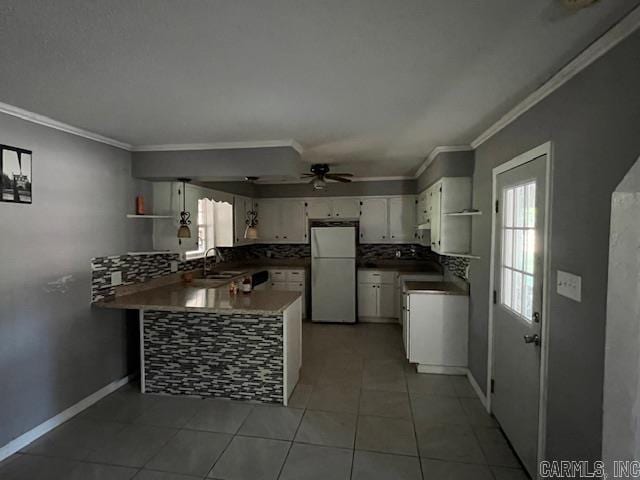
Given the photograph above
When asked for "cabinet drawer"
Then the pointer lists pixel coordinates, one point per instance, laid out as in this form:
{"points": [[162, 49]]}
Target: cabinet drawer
{"points": [[278, 275], [376, 276], [295, 276], [281, 286]]}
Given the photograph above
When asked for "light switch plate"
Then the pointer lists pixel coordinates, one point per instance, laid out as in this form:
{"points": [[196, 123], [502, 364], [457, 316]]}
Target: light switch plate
{"points": [[569, 285], [116, 278], [174, 266]]}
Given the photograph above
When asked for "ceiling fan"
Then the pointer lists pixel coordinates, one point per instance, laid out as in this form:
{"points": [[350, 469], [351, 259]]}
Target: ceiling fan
{"points": [[320, 175]]}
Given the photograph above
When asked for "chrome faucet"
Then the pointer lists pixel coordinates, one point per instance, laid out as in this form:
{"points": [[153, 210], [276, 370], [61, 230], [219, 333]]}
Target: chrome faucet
{"points": [[219, 258]]}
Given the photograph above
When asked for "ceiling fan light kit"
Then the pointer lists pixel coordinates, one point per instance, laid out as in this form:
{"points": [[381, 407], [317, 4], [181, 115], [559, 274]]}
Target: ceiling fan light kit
{"points": [[320, 175]]}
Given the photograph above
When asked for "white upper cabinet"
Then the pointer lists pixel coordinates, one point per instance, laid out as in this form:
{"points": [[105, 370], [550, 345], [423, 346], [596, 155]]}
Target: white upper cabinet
{"points": [[323, 208], [319, 208], [347, 208], [241, 208], [374, 223], [450, 234], [388, 220], [402, 218], [268, 221], [293, 222], [282, 221]]}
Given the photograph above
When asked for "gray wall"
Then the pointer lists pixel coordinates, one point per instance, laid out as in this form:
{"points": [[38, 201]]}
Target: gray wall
{"points": [[236, 188], [353, 189], [210, 165], [446, 164], [593, 123], [54, 348]]}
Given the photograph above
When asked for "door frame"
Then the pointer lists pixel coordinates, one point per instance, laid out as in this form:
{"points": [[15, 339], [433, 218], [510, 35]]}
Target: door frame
{"points": [[544, 149]]}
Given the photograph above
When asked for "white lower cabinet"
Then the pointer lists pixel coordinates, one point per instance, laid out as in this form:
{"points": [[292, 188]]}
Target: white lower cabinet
{"points": [[290, 281], [435, 332], [377, 295]]}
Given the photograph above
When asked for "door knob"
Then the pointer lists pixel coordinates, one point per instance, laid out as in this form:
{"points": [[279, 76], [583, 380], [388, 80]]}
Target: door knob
{"points": [[535, 339]]}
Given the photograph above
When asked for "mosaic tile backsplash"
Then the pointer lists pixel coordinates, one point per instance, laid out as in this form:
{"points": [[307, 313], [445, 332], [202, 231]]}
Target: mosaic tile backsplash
{"points": [[134, 268], [140, 268], [237, 356]]}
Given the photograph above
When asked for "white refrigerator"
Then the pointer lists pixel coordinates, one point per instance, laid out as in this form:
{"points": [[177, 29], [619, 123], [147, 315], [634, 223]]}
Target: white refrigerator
{"points": [[333, 274]]}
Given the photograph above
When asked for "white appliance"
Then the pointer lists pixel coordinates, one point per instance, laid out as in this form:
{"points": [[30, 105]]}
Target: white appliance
{"points": [[333, 274]]}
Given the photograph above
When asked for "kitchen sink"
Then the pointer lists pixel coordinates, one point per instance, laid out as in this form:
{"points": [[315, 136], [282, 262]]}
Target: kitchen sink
{"points": [[225, 275]]}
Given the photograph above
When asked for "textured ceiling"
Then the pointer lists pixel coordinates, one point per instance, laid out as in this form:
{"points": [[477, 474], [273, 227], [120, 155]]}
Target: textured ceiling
{"points": [[372, 85]]}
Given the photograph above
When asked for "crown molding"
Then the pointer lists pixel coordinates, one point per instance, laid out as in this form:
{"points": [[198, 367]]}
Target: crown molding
{"points": [[437, 151], [63, 127], [218, 146], [593, 52]]}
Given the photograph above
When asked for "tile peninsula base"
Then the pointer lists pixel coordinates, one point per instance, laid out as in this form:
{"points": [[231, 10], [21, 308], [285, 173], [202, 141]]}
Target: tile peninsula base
{"points": [[235, 356]]}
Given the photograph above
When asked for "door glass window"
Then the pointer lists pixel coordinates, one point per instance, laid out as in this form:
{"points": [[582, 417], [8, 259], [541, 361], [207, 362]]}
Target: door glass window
{"points": [[518, 248]]}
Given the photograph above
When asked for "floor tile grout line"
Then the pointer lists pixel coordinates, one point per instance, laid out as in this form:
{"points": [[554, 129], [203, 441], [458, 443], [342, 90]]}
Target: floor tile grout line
{"points": [[415, 429], [286, 457], [355, 433]]}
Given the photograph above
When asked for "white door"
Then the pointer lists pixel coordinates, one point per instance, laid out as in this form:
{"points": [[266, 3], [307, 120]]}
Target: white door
{"points": [[373, 220], [319, 208], [346, 208], [367, 300], [518, 275], [402, 218], [268, 221]]}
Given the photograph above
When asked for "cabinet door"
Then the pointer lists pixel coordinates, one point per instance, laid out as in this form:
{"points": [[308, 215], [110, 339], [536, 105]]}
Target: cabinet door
{"points": [[346, 208], [421, 209], [436, 195], [239, 219], [319, 208], [293, 221], [402, 219], [387, 301], [268, 221], [367, 300], [373, 221], [299, 287]]}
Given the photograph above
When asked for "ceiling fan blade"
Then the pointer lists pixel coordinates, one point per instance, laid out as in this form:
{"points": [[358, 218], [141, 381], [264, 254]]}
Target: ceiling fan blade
{"points": [[338, 178], [307, 175], [342, 174]]}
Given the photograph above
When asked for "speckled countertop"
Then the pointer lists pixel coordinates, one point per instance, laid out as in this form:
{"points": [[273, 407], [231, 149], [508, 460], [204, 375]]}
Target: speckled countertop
{"points": [[171, 294], [435, 288], [181, 297]]}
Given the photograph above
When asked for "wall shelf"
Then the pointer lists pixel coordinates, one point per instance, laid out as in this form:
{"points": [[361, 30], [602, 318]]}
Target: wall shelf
{"points": [[424, 226], [463, 214], [152, 252], [131, 215], [461, 255]]}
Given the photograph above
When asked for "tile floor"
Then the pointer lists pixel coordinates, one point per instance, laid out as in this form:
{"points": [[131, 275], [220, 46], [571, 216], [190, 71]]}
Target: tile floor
{"points": [[359, 412]]}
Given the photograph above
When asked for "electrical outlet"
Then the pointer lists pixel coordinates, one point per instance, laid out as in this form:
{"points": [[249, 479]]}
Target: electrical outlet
{"points": [[569, 285], [116, 278], [174, 266]]}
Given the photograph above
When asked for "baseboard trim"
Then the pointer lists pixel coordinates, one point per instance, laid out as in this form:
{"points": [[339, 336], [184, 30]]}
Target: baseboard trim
{"points": [[478, 390], [25, 439], [441, 370]]}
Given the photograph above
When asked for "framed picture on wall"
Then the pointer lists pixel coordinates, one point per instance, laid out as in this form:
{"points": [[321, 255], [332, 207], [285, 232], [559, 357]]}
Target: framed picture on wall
{"points": [[15, 166]]}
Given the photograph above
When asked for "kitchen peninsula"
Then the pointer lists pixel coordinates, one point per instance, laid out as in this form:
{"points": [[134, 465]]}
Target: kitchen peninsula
{"points": [[197, 339]]}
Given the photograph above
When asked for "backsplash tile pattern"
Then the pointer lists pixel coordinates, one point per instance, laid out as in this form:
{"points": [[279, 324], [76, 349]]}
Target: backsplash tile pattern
{"points": [[456, 265], [373, 252], [134, 268], [237, 356], [140, 268]]}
